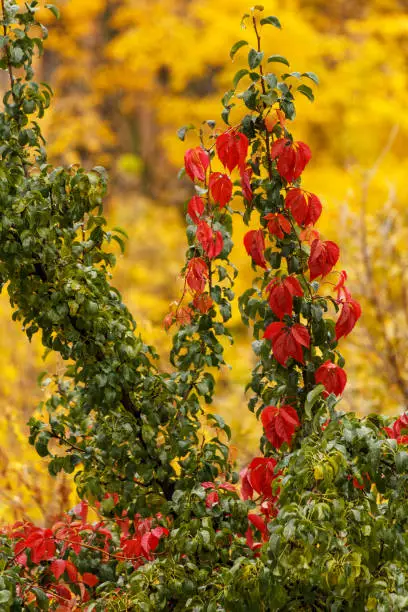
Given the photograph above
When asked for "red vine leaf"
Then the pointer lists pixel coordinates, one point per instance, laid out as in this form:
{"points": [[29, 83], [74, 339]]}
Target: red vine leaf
{"points": [[255, 245], [292, 158], [281, 293], [279, 424], [196, 162], [220, 188], [287, 341], [332, 377], [323, 257], [306, 208]]}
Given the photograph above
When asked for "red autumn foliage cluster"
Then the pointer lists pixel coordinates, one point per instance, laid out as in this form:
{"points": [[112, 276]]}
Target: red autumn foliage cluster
{"points": [[396, 431], [292, 158], [287, 341], [279, 424], [258, 478], [232, 150], [289, 336], [290, 339], [51, 557], [306, 208]]}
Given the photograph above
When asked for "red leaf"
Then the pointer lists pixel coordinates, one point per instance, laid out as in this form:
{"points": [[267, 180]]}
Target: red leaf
{"points": [[81, 510], [273, 330], [21, 559], [203, 302], [258, 522], [208, 485], [278, 147], [195, 208], [131, 547], [227, 486], [246, 487], [332, 377], [197, 274], [221, 188], [184, 315], [196, 162], [287, 341], [323, 258], [63, 591], [278, 225], [301, 334], [90, 579], [306, 208], [401, 424], [292, 158], [42, 545], [160, 531], [303, 156], [71, 571], [149, 544], [232, 149], [340, 288], [279, 424], [211, 242], [246, 184], [281, 293], [260, 474], [350, 313], [255, 245], [249, 538], [212, 499], [57, 567]]}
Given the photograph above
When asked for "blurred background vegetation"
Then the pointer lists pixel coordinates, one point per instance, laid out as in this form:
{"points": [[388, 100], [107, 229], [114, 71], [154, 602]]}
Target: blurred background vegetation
{"points": [[127, 74]]}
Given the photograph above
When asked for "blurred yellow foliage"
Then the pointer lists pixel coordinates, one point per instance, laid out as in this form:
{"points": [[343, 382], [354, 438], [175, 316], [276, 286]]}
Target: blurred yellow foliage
{"points": [[127, 74]]}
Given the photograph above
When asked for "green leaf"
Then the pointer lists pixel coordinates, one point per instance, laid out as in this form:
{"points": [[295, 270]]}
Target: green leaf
{"points": [[278, 59], [271, 21], [42, 599], [225, 114], [220, 423], [271, 80], [255, 58], [401, 462], [239, 75], [235, 47], [5, 596], [227, 97], [306, 91], [120, 242], [16, 55], [41, 445], [250, 98], [295, 75], [54, 10], [270, 98], [311, 399], [181, 132], [312, 76]]}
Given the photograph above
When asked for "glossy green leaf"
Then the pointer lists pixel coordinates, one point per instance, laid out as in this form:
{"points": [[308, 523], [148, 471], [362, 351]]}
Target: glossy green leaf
{"points": [[236, 46]]}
